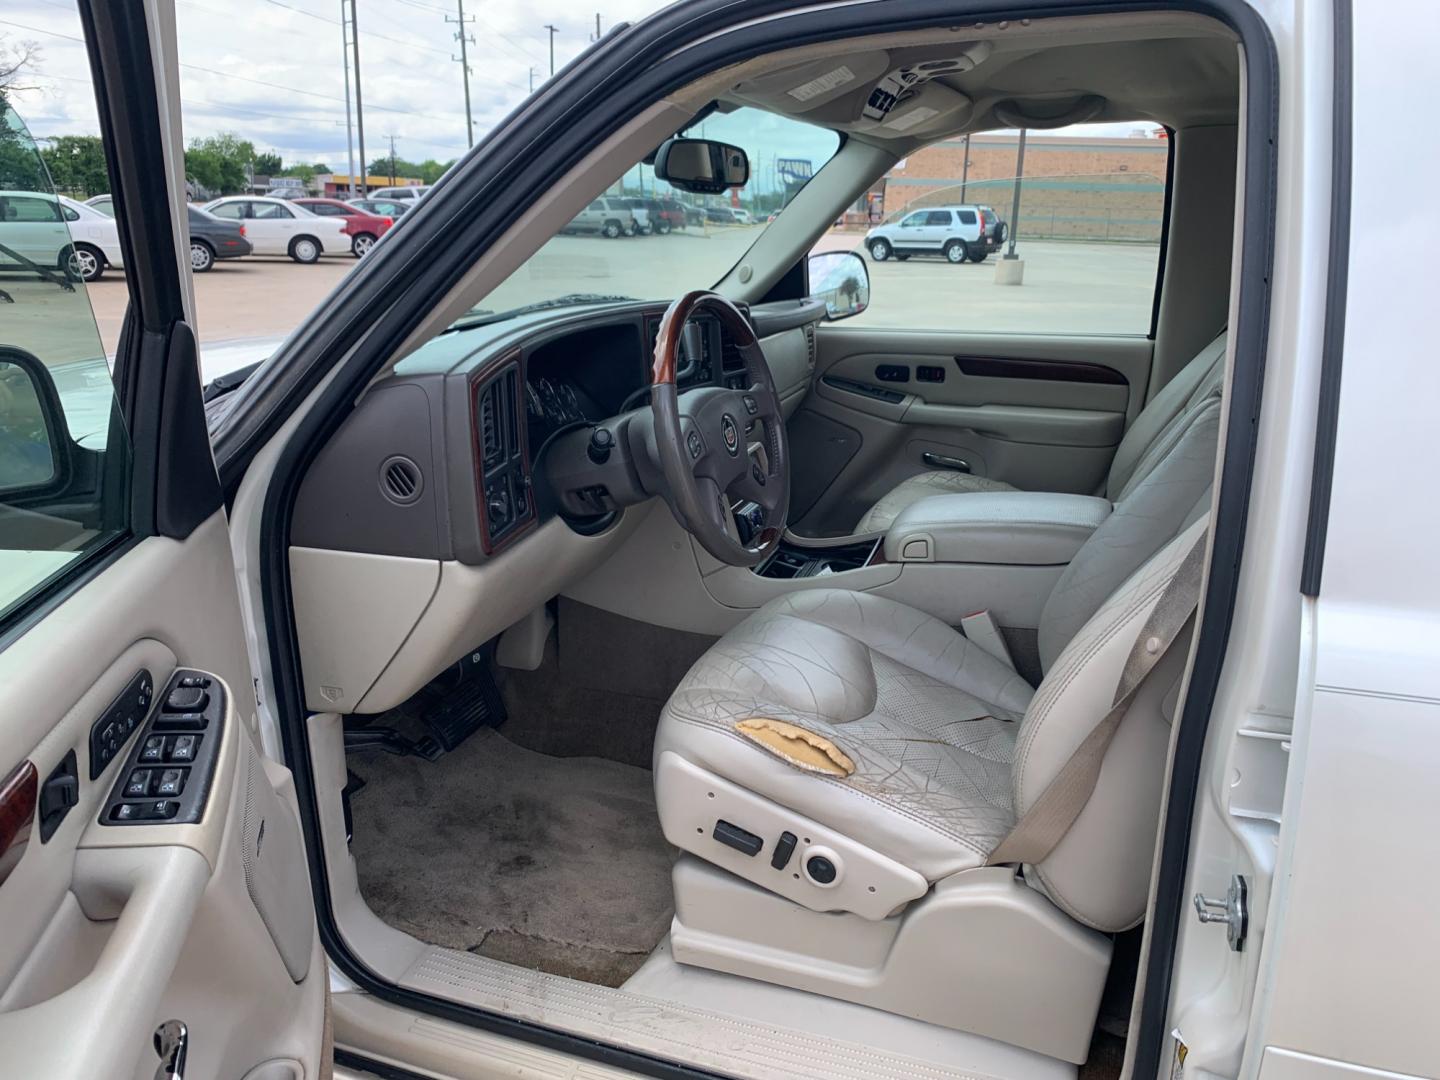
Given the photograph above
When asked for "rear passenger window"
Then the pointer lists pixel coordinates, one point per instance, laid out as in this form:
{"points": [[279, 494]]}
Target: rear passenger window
{"points": [[938, 217], [1091, 210]]}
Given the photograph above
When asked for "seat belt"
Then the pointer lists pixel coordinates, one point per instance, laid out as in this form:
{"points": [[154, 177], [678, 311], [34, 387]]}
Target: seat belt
{"points": [[1050, 816]]}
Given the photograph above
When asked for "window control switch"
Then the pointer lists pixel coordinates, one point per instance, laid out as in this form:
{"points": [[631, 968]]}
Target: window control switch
{"points": [[138, 785], [188, 721], [747, 843], [171, 783], [182, 748], [153, 750]]}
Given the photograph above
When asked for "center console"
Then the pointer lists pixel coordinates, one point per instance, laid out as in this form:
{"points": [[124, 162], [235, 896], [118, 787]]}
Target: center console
{"points": [[1009, 528], [791, 560]]}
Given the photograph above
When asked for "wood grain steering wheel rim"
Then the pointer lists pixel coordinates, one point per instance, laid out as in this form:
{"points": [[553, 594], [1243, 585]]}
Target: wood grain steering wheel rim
{"points": [[720, 447]]}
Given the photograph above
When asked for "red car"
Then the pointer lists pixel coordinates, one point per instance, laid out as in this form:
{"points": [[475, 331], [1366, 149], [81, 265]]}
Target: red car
{"points": [[362, 228]]}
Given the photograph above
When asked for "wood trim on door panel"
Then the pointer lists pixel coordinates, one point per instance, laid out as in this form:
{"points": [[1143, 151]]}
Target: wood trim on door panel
{"points": [[1004, 367], [18, 792]]}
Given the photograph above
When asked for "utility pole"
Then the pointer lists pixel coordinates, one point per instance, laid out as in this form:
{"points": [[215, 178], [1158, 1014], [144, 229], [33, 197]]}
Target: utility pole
{"points": [[553, 30], [532, 78], [359, 106], [597, 27], [464, 61], [392, 159], [349, 133]]}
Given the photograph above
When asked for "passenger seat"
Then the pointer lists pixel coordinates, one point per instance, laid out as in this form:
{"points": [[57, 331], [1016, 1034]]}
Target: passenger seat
{"points": [[1154, 432]]}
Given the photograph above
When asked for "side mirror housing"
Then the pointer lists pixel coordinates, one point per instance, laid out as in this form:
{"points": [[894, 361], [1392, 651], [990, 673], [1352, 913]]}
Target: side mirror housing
{"points": [[701, 166], [843, 280], [36, 451]]}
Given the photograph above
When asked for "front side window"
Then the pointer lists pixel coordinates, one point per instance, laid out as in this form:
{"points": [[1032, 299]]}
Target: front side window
{"points": [[269, 211], [231, 211], [64, 452], [1091, 214]]}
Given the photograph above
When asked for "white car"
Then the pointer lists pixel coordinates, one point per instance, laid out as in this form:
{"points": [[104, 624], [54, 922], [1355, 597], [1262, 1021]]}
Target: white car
{"points": [[56, 232], [742, 216], [279, 227], [409, 192]]}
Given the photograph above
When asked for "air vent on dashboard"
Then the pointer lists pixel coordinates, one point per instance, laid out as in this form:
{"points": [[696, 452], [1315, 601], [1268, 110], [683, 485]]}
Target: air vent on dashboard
{"points": [[505, 502], [401, 480]]}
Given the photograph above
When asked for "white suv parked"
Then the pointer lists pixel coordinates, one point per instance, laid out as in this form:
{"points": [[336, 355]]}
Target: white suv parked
{"points": [[956, 232]]}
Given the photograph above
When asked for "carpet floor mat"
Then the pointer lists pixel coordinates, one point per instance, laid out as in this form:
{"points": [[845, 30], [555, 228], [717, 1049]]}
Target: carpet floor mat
{"points": [[553, 864]]}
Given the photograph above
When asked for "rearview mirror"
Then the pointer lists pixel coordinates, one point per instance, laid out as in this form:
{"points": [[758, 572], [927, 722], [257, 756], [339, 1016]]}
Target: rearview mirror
{"points": [[701, 166], [842, 279], [35, 446]]}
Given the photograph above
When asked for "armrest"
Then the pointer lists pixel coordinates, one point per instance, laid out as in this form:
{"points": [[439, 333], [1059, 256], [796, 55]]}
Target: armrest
{"points": [[1014, 528]]}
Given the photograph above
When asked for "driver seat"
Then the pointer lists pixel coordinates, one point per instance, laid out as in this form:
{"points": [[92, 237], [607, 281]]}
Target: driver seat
{"points": [[946, 749]]}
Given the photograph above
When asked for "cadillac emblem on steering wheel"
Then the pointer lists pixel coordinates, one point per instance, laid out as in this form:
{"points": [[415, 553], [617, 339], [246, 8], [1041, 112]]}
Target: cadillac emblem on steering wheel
{"points": [[731, 434]]}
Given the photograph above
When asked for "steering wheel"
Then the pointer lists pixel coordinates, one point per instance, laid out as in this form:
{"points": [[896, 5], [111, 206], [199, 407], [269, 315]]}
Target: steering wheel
{"points": [[722, 450]]}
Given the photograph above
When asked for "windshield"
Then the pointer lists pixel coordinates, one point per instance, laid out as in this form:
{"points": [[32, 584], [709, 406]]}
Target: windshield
{"points": [[640, 239]]}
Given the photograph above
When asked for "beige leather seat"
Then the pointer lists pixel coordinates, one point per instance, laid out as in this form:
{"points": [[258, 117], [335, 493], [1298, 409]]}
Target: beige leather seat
{"points": [[1147, 441], [950, 746]]}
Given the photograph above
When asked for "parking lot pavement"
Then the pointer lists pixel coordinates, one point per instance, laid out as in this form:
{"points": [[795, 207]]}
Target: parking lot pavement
{"points": [[1075, 288]]}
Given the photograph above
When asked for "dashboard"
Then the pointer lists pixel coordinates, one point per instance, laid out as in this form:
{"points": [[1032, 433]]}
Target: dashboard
{"points": [[445, 458]]}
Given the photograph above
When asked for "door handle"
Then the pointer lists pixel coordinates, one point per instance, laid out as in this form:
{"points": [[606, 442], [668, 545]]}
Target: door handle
{"points": [[941, 461], [172, 1043]]}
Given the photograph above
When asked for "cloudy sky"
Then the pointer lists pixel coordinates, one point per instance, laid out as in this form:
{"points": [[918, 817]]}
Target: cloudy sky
{"points": [[271, 70]]}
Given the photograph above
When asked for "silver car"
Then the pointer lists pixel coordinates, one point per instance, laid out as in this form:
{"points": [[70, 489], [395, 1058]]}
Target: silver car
{"points": [[609, 216]]}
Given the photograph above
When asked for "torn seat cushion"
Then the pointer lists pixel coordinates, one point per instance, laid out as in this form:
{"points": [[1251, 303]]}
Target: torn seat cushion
{"points": [[927, 719]]}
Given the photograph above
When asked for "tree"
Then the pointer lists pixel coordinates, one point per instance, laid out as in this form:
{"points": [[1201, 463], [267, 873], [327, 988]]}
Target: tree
{"points": [[222, 163], [268, 164], [77, 165], [21, 167]]}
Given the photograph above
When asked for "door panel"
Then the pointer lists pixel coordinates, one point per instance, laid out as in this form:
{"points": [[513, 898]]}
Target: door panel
{"points": [[134, 891], [1043, 413]]}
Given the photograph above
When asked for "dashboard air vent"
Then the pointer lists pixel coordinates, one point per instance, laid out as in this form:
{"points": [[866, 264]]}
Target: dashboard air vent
{"points": [[497, 419], [401, 480]]}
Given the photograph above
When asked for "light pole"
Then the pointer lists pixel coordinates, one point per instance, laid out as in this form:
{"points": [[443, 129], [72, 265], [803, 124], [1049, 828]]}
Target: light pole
{"points": [[349, 133], [1011, 269], [1015, 204]]}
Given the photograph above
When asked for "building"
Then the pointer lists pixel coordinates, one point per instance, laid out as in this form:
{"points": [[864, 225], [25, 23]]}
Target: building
{"points": [[337, 185], [1085, 188]]}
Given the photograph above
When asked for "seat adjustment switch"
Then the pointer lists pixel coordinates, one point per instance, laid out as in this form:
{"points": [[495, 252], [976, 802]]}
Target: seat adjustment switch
{"points": [[747, 843], [784, 848]]}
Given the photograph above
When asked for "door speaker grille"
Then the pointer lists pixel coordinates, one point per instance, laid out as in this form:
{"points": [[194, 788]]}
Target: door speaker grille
{"points": [[401, 480]]}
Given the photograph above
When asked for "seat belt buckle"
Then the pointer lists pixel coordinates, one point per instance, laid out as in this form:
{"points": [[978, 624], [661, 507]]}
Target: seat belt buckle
{"points": [[980, 629]]}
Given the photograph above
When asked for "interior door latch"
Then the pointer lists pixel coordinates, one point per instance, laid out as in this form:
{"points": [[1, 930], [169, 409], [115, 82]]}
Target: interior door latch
{"points": [[1233, 911]]}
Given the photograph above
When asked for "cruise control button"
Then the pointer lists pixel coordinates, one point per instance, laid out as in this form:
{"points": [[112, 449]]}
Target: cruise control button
{"points": [[697, 447], [750, 404]]}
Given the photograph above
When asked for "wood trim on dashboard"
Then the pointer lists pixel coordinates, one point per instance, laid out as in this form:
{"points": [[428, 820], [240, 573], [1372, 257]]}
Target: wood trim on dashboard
{"points": [[1007, 367], [18, 793]]}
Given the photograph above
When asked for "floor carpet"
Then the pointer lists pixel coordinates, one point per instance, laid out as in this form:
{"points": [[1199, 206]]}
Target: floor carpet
{"points": [[555, 864]]}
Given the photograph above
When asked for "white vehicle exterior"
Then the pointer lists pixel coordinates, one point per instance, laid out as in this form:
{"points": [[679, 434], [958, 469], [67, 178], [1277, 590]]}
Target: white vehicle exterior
{"points": [[405, 191], [42, 228], [742, 216], [956, 232], [279, 227]]}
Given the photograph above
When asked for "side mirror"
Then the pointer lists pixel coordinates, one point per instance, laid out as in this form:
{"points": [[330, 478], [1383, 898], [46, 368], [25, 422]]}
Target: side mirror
{"points": [[701, 166], [842, 279], [35, 446]]}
